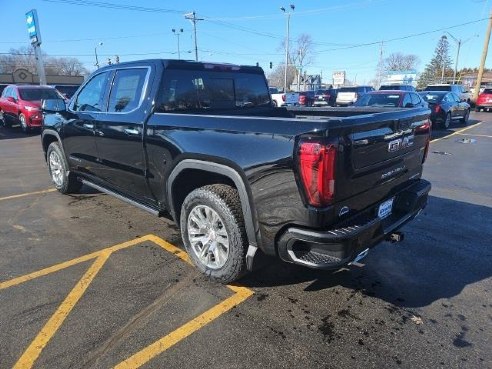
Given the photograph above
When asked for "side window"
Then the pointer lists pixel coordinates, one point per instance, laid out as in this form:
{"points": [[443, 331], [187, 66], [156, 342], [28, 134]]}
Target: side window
{"points": [[415, 99], [456, 98], [127, 89], [406, 101], [448, 98], [13, 93], [91, 96], [6, 92]]}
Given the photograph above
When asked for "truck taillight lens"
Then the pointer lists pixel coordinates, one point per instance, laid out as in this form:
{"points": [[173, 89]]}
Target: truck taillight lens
{"points": [[302, 99], [437, 108], [317, 169], [283, 97]]}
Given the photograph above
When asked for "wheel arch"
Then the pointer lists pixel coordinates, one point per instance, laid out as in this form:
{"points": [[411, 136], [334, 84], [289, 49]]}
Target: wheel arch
{"points": [[207, 172], [48, 136]]}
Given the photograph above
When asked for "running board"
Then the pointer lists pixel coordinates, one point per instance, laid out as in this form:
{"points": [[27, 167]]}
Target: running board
{"points": [[121, 197]]}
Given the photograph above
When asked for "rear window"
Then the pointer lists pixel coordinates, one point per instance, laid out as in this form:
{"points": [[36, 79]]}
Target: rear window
{"points": [[185, 90], [381, 100], [36, 94], [432, 97], [349, 89], [487, 91], [437, 88]]}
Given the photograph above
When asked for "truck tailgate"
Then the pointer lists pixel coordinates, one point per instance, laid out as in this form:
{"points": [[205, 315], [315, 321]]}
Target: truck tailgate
{"points": [[381, 152]]}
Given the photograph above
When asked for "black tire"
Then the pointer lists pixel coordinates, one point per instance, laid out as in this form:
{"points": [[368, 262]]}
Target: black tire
{"points": [[23, 123], [64, 181], [464, 120], [4, 121], [446, 123], [224, 200], [477, 109]]}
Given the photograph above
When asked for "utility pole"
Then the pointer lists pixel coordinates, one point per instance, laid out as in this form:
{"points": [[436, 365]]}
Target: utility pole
{"points": [[193, 19], [287, 13], [484, 57], [380, 69]]}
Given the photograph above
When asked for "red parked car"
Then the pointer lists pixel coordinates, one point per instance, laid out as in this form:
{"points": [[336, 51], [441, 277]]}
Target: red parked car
{"points": [[484, 100], [21, 104]]}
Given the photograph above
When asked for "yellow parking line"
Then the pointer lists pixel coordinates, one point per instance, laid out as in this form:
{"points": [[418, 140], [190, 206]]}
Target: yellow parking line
{"points": [[31, 354], [27, 194], [457, 132], [69, 263], [161, 345], [170, 248], [470, 134], [54, 323]]}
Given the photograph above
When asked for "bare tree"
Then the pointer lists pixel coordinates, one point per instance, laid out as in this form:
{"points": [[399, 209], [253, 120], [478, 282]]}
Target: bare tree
{"points": [[276, 77], [400, 62], [300, 56], [24, 57]]}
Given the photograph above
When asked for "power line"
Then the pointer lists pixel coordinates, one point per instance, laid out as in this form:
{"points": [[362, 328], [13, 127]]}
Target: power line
{"points": [[405, 37], [107, 5]]}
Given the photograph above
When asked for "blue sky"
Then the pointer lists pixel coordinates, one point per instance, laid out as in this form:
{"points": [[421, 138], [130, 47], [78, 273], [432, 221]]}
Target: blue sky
{"points": [[246, 32]]}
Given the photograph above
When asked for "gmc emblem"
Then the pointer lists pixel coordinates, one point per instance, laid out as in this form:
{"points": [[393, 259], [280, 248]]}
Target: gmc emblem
{"points": [[400, 143]]}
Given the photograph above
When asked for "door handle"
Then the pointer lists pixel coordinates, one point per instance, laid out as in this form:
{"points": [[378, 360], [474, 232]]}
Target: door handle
{"points": [[132, 131], [88, 126]]}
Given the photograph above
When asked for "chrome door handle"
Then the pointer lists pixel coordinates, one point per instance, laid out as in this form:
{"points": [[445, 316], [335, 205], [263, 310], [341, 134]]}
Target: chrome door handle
{"points": [[88, 126], [132, 131]]}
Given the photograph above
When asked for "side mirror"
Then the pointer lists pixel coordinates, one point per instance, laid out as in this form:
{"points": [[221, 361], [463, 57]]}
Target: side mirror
{"points": [[53, 106], [409, 105]]}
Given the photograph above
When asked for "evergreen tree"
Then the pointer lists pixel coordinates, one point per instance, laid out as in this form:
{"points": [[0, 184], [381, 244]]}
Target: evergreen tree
{"points": [[441, 59]]}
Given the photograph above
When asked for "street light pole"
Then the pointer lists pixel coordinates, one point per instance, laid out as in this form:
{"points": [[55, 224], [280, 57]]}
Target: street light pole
{"points": [[95, 53], [442, 60], [177, 35], [287, 13], [459, 43]]}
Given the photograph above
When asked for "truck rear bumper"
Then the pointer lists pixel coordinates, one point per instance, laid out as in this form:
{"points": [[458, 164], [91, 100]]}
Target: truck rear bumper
{"points": [[334, 248]]}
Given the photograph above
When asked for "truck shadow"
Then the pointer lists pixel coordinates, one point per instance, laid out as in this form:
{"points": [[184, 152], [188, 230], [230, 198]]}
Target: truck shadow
{"points": [[446, 249], [16, 132], [441, 132]]}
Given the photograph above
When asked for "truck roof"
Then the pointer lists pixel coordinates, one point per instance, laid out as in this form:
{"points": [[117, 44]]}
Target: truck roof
{"points": [[189, 64]]}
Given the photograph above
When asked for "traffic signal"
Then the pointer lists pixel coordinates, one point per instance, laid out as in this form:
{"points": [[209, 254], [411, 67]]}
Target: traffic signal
{"points": [[271, 65]]}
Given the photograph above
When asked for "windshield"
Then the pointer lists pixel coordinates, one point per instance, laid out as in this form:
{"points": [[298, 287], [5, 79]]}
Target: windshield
{"points": [[185, 90], [432, 97], [487, 91], [36, 94], [386, 100]]}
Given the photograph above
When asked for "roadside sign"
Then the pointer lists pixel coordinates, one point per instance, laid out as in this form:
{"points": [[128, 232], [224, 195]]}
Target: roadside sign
{"points": [[339, 78], [33, 27]]}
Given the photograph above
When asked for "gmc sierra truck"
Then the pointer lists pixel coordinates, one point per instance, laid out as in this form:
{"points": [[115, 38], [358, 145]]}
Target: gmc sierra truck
{"points": [[201, 143]]}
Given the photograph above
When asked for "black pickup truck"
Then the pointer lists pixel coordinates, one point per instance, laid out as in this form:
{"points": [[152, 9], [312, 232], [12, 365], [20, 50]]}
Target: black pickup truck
{"points": [[201, 143]]}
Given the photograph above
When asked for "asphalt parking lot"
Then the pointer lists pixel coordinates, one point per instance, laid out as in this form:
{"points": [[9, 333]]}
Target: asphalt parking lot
{"points": [[87, 281]]}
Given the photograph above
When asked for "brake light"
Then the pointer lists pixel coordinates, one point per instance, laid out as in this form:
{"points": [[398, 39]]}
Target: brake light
{"points": [[437, 108], [317, 169], [302, 99], [283, 97]]}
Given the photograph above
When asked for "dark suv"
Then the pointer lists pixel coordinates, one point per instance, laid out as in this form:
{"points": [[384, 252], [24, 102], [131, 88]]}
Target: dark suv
{"points": [[325, 97], [455, 88]]}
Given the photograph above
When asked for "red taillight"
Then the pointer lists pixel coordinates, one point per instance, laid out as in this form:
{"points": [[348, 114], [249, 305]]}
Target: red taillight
{"points": [[426, 150], [317, 169], [283, 97], [302, 99], [437, 108]]}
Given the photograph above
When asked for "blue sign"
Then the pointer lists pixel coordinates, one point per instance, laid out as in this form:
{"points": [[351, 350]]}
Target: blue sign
{"points": [[33, 27]]}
